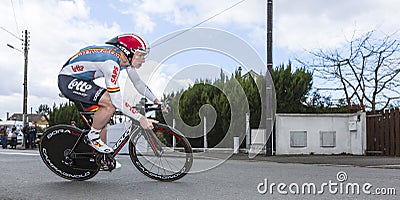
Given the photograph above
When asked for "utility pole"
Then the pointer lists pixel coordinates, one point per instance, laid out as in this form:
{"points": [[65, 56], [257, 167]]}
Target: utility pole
{"points": [[26, 40], [269, 35], [270, 99]]}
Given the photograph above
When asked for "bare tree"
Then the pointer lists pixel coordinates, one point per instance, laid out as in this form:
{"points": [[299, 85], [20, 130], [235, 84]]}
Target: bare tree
{"points": [[366, 68]]}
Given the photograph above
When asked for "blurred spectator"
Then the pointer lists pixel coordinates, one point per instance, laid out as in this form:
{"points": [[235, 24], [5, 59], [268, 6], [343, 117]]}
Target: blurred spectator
{"points": [[73, 123], [3, 136], [13, 142], [32, 136], [26, 131]]}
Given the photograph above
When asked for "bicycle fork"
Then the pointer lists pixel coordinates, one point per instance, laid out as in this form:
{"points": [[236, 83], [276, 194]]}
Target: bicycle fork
{"points": [[153, 141]]}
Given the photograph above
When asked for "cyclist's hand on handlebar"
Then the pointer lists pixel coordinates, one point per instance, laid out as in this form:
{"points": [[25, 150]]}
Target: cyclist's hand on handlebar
{"points": [[164, 106], [147, 123], [157, 101]]}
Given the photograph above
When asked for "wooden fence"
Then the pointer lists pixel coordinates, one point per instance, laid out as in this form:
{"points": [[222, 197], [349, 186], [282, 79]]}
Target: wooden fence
{"points": [[383, 132]]}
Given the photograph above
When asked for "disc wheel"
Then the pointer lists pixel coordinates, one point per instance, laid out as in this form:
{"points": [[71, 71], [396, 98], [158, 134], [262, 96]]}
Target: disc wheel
{"points": [[55, 146]]}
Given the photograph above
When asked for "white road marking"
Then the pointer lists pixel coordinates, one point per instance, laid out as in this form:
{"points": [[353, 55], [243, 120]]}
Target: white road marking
{"points": [[30, 153]]}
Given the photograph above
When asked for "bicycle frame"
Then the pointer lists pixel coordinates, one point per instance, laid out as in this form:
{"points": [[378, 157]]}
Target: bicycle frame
{"points": [[131, 131]]}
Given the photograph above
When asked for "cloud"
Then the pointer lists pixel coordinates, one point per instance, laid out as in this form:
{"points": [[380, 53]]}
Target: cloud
{"points": [[248, 15], [57, 30], [143, 23], [62, 29], [313, 24], [160, 78]]}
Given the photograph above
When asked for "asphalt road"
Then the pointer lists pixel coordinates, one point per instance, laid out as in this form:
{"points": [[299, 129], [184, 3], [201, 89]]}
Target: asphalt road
{"points": [[24, 176]]}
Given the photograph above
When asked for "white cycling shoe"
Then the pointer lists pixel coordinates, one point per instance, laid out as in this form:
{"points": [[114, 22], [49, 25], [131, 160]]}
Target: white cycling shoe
{"points": [[93, 140]]}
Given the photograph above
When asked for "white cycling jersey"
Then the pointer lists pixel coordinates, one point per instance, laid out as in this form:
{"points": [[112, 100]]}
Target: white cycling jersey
{"points": [[94, 62]]}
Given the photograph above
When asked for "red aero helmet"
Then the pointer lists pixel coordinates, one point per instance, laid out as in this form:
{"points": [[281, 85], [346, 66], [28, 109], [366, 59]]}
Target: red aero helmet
{"points": [[129, 44]]}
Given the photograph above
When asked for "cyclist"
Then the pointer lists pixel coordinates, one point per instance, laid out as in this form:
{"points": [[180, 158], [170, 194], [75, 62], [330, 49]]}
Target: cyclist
{"points": [[75, 81]]}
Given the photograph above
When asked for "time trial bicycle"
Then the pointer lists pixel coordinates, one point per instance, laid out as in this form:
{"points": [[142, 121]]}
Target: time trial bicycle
{"points": [[162, 154]]}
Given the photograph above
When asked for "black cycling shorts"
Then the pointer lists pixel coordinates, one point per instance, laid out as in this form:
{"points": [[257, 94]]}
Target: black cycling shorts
{"points": [[80, 90]]}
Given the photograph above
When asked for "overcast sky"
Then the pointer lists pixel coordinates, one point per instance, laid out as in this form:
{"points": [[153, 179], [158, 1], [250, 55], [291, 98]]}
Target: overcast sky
{"points": [[60, 28]]}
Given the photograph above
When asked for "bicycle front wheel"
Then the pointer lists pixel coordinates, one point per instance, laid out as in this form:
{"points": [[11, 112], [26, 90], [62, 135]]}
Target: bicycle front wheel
{"points": [[170, 161]]}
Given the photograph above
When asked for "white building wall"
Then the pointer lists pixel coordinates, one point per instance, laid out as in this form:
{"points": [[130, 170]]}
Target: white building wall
{"points": [[349, 129]]}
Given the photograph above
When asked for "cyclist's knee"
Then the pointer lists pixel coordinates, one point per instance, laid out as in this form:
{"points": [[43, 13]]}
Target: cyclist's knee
{"points": [[110, 108], [105, 103]]}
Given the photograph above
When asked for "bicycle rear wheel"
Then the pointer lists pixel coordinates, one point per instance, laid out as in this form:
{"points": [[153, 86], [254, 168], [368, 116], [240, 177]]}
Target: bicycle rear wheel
{"points": [[57, 142], [170, 161]]}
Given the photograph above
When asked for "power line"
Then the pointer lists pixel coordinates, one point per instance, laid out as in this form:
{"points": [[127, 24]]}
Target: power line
{"points": [[202, 22], [10, 33], [15, 18]]}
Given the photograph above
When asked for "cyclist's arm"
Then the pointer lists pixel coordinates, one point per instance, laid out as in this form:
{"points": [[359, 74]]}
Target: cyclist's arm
{"points": [[111, 72], [140, 85]]}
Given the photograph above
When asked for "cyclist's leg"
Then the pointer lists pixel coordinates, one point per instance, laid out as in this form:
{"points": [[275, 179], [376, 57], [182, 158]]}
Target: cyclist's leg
{"points": [[103, 114], [88, 92], [98, 134]]}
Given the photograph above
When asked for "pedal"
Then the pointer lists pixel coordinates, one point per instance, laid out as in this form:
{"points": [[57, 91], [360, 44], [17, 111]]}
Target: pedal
{"points": [[107, 162], [67, 161]]}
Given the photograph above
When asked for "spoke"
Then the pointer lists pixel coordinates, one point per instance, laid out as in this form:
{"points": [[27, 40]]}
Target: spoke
{"points": [[158, 168], [165, 172], [170, 161], [153, 163], [147, 160]]}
